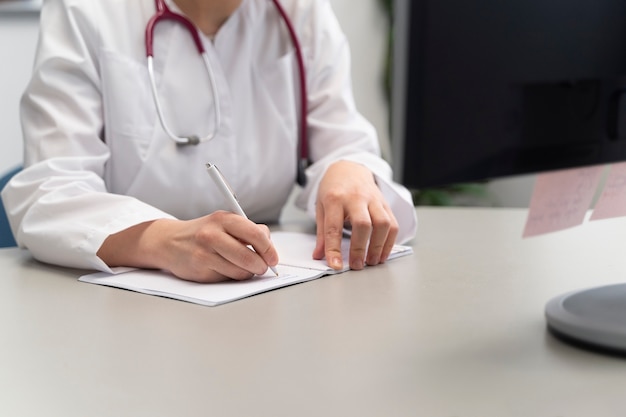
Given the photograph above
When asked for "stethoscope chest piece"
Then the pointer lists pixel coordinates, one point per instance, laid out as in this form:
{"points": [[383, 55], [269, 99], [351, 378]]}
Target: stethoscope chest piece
{"points": [[191, 140]]}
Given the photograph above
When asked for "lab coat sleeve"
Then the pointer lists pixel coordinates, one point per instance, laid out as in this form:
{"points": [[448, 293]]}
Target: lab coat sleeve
{"points": [[336, 130], [58, 206]]}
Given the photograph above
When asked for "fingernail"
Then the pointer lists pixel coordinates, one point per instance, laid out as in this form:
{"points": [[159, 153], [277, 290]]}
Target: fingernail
{"points": [[335, 263], [357, 264]]}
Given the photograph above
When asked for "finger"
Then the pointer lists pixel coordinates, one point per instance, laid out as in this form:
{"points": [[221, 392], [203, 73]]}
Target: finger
{"points": [[394, 229], [318, 252], [224, 270], [241, 232], [242, 257], [361, 224], [220, 270], [263, 245], [332, 233], [205, 277], [381, 224]]}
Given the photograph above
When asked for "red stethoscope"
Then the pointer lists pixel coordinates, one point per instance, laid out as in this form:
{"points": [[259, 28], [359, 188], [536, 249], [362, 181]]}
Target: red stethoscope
{"points": [[164, 13]]}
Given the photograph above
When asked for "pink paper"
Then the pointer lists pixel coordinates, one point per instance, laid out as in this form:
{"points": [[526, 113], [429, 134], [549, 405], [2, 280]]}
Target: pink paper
{"points": [[612, 202], [561, 199]]}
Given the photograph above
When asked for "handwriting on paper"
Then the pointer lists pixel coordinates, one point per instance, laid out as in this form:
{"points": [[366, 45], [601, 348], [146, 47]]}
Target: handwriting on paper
{"points": [[561, 199], [612, 201]]}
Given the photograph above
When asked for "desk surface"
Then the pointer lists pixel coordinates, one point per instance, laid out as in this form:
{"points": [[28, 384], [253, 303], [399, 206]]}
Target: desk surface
{"points": [[455, 330]]}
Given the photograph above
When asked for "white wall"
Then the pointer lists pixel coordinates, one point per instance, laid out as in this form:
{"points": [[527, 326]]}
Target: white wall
{"points": [[18, 39], [366, 27]]}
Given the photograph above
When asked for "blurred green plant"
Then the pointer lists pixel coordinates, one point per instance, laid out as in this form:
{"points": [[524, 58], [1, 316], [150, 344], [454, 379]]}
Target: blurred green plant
{"points": [[455, 194], [466, 194]]}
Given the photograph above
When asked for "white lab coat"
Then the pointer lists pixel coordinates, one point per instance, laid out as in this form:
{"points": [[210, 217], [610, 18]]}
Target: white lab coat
{"points": [[97, 160]]}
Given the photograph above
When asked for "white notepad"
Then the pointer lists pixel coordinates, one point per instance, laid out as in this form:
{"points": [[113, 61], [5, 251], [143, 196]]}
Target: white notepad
{"points": [[296, 266]]}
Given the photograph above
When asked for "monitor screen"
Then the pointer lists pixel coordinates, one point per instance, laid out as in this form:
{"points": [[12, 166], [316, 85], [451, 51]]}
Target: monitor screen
{"points": [[495, 88]]}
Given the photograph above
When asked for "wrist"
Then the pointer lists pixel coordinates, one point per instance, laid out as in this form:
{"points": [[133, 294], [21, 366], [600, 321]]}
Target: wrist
{"points": [[141, 246]]}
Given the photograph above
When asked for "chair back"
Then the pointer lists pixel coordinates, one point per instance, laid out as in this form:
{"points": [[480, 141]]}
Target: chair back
{"points": [[6, 236]]}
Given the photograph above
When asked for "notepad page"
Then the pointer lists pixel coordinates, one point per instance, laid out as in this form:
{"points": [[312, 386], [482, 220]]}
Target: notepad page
{"points": [[293, 248], [163, 284], [296, 249]]}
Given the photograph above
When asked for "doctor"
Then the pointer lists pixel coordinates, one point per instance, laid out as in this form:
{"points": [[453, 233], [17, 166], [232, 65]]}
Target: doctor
{"points": [[104, 185]]}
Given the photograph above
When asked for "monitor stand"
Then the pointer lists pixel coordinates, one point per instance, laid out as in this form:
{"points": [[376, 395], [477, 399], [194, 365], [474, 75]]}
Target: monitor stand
{"points": [[593, 318]]}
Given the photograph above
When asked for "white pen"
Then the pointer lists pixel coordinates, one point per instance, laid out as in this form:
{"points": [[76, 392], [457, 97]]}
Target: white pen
{"points": [[229, 195]]}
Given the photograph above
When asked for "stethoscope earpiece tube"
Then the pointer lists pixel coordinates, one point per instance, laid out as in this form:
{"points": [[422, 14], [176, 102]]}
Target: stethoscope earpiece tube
{"points": [[164, 13]]}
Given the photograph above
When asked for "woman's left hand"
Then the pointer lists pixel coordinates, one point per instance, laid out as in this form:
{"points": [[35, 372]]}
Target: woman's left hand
{"points": [[348, 193]]}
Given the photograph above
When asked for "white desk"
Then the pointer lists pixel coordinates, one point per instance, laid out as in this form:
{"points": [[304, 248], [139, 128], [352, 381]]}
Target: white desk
{"points": [[457, 330]]}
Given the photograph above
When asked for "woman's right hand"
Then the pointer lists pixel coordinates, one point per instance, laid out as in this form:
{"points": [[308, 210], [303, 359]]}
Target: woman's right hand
{"points": [[208, 249]]}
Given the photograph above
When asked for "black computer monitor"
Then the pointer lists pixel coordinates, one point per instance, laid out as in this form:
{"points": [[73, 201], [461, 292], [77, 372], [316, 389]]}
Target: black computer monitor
{"points": [[495, 88]]}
